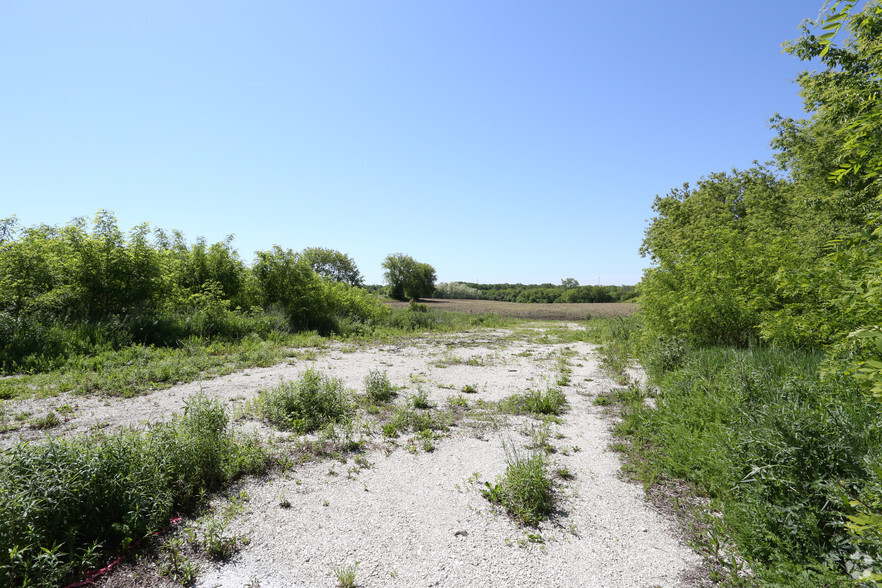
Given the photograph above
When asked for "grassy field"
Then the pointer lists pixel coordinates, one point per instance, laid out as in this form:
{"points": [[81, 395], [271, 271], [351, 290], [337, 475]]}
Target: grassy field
{"points": [[556, 312]]}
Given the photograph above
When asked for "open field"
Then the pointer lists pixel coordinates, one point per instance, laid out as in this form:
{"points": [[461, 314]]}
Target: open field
{"points": [[552, 312]]}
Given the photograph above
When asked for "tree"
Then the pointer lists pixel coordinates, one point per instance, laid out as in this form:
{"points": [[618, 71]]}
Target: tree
{"points": [[408, 278], [333, 265]]}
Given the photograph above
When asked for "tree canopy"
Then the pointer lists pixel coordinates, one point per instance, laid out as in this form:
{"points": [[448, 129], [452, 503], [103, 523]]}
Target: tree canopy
{"points": [[407, 278]]}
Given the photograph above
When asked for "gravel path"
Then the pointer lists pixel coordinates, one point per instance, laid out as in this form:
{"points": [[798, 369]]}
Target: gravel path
{"points": [[408, 517]]}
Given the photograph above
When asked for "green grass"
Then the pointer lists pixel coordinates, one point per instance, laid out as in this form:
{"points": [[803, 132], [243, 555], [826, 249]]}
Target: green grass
{"points": [[526, 490], [536, 402], [306, 404], [781, 452], [65, 503]]}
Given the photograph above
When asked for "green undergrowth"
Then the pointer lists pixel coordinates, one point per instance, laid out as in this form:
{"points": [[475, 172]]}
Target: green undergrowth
{"points": [[65, 505], [784, 455], [135, 369]]}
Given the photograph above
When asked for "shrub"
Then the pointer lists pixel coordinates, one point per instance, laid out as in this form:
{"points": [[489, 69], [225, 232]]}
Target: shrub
{"points": [[307, 403], [378, 386], [65, 502]]}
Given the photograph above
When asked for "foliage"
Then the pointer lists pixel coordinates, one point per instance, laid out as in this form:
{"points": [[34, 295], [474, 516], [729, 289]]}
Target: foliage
{"points": [[378, 386], [526, 490], [568, 291], [407, 278], [64, 503], [456, 290], [306, 404]]}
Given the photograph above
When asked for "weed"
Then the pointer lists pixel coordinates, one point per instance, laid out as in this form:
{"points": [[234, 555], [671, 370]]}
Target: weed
{"points": [[420, 399], [177, 565], [536, 402], [345, 575], [46, 422], [306, 404], [110, 490], [525, 490], [378, 386], [470, 389], [564, 473], [457, 401]]}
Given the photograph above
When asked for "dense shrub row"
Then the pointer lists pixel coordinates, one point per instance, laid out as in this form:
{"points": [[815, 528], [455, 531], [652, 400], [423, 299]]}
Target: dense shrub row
{"points": [[761, 332], [76, 289], [66, 504]]}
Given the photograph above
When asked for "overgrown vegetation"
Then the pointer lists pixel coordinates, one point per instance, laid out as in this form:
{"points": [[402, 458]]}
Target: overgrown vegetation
{"points": [[68, 503], [568, 291], [759, 327], [306, 404]]}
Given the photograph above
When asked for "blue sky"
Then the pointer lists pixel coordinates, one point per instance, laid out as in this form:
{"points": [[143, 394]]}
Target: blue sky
{"points": [[499, 141]]}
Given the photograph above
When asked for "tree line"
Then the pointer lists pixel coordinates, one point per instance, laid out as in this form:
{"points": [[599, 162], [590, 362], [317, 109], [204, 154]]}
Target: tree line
{"points": [[761, 324], [569, 290], [85, 286]]}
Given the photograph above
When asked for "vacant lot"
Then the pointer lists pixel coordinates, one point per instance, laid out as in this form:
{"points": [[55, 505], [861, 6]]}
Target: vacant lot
{"points": [[402, 504], [545, 312]]}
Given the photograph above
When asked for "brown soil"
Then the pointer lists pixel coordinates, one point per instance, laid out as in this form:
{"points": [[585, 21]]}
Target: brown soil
{"points": [[553, 312]]}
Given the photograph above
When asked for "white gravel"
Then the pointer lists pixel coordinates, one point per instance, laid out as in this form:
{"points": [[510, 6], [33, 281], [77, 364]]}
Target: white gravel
{"points": [[419, 519]]}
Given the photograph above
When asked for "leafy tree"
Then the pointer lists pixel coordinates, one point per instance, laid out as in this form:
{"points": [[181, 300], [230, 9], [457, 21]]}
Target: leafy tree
{"points": [[287, 281], [720, 253], [333, 265], [408, 279]]}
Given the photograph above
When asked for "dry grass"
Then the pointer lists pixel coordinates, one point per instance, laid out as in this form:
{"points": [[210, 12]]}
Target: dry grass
{"points": [[557, 312]]}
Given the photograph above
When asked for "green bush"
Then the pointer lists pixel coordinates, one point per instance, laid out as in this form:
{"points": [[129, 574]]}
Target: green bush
{"points": [[526, 490], [306, 404], [378, 386], [63, 503]]}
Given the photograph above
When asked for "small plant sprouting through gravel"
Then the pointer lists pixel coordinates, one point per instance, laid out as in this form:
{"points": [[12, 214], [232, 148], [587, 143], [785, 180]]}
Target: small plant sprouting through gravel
{"points": [[378, 386], [420, 399], [469, 389], [345, 575], [178, 566], [525, 490]]}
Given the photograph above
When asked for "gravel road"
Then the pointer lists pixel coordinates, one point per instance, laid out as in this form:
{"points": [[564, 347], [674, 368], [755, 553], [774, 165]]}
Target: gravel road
{"points": [[404, 516]]}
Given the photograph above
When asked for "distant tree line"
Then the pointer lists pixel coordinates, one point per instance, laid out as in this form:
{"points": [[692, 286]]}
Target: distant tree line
{"points": [[568, 291]]}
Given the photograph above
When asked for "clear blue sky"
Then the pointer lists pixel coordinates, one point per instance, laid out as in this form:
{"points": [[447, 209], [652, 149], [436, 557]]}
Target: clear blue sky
{"points": [[499, 141]]}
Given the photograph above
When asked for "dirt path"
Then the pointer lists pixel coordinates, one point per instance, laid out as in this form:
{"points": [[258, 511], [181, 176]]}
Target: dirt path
{"points": [[407, 516]]}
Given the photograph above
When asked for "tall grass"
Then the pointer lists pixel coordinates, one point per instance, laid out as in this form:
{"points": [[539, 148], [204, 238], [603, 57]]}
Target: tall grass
{"points": [[66, 504], [306, 404], [779, 450]]}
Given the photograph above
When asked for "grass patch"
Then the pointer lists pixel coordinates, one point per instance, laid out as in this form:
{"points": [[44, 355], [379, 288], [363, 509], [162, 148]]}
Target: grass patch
{"points": [[536, 402], [66, 504], [783, 454], [306, 404], [526, 491]]}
